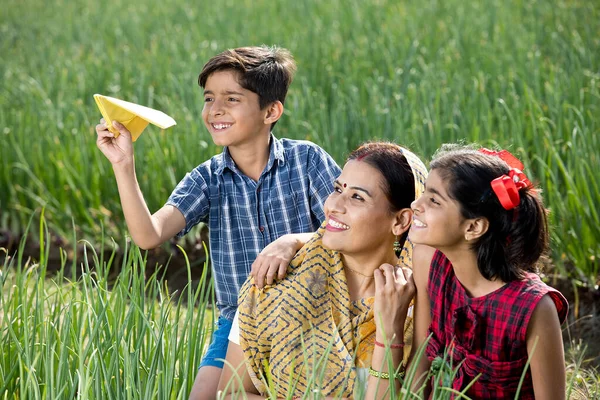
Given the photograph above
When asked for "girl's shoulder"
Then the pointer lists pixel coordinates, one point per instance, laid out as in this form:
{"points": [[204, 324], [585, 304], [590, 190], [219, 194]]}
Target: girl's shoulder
{"points": [[440, 271], [421, 264], [517, 300], [531, 289]]}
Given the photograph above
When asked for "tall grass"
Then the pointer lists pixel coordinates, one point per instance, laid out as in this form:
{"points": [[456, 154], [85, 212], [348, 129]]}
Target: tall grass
{"points": [[520, 74], [89, 334]]}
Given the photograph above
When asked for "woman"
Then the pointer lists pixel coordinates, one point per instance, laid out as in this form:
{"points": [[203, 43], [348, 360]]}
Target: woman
{"points": [[338, 321]]}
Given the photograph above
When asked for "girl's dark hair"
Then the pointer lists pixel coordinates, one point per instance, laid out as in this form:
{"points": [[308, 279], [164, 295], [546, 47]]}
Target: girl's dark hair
{"points": [[516, 239], [398, 182]]}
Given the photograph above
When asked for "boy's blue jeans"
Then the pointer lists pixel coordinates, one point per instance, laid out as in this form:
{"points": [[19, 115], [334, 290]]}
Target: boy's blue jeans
{"points": [[217, 350]]}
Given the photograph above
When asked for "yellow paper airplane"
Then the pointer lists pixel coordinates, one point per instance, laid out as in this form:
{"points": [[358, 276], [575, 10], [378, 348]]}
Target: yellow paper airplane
{"points": [[133, 116]]}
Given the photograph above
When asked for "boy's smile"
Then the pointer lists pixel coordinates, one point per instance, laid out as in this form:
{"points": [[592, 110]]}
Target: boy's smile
{"points": [[220, 126], [231, 113]]}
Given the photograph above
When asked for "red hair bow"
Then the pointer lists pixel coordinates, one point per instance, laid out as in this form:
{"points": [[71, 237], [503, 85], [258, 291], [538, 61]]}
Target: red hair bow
{"points": [[506, 187], [504, 155]]}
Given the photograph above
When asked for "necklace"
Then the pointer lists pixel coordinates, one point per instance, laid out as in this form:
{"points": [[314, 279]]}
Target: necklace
{"points": [[359, 273]]}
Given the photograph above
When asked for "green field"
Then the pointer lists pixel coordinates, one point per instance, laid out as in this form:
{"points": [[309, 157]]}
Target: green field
{"points": [[522, 75], [97, 329]]}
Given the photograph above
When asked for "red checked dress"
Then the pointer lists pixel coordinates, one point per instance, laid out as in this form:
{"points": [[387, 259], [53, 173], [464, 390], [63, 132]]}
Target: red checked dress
{"points": [[487, 334]]}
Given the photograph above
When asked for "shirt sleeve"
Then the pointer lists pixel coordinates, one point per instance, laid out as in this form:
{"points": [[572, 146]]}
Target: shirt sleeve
{"points": [[191, 197], [234, 333], [322, 171]]}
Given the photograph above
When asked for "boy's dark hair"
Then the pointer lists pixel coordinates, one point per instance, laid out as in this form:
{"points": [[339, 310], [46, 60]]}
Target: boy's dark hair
{"points": [[398, 179], [516, 239], [266, 71]]}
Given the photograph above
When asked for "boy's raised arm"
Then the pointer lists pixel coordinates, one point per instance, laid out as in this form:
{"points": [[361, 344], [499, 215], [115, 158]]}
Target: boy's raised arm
{"points": [[146, 230]]}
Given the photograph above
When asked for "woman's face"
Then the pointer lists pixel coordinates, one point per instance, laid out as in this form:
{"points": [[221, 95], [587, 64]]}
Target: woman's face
{"points": [[358, 213]]}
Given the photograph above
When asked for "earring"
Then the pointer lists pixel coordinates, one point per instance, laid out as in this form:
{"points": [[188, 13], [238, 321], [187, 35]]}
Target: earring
{"points": [[397, 247]]}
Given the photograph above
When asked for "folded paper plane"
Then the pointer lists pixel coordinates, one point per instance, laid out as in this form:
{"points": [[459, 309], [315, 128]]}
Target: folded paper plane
{"points": [[133, 116]]}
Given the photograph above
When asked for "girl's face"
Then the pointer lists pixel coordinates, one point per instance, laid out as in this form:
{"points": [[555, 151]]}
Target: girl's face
{"points": [[437, 220], [359, 220]]}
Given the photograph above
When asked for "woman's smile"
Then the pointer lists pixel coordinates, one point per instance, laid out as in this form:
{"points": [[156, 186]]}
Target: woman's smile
{"points": [[334, 225]]}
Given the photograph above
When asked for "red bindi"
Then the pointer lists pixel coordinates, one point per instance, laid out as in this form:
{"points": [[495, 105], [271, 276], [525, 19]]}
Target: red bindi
{"points": [[344, 185]]}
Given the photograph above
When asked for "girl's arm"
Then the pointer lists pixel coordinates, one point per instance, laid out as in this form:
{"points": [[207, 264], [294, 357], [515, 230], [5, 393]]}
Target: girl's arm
{"points": [[234, 378], [547, 359], [422, 256]]}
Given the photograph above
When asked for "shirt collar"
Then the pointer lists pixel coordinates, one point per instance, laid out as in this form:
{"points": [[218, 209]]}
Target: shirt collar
{"points": [[276, 152]]}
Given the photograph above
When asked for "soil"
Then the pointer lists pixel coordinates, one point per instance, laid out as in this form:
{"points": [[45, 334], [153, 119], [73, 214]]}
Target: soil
{"points": [[582, 328], [167, 259]]}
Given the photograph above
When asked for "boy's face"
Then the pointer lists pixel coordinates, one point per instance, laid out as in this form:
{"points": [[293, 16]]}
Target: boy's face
{"points": [[231, 113]]}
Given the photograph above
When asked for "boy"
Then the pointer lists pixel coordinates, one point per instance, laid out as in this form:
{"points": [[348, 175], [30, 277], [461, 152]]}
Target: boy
{"points": [[258, 189]]}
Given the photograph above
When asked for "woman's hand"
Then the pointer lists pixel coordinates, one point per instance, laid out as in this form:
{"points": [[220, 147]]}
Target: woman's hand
{"points": [[394, 289], [117, 149]]}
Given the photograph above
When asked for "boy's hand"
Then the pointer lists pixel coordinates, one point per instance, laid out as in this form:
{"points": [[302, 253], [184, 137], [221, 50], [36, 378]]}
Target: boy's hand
{"points": [[117, 149], [273, 260]]}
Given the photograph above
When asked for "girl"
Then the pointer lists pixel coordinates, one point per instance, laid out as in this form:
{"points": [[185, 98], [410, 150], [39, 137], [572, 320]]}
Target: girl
{"points": [[477, 293]]}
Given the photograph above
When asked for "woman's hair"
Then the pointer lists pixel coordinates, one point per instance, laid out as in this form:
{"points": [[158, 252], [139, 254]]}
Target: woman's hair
{"points": [[398, 178], [516, 239]]}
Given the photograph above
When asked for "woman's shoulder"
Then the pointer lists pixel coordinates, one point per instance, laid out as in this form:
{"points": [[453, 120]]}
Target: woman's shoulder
{"points": [[307, 273]]}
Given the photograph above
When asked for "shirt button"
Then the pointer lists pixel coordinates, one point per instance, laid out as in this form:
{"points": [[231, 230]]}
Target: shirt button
{"points": [[262, 229]]}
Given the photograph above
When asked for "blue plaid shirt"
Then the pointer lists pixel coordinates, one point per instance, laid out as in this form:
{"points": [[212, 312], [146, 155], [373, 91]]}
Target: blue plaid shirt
{"points": [[244, 216]]}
